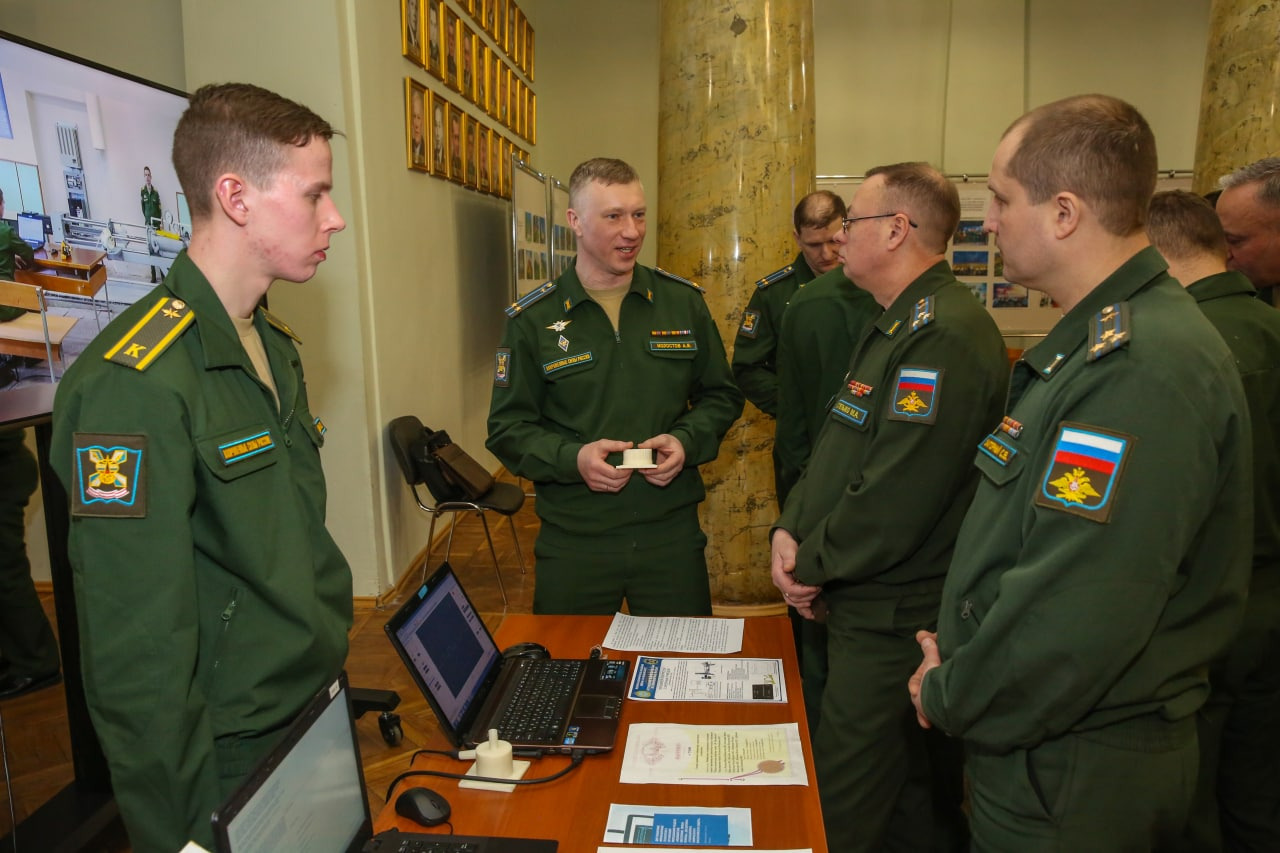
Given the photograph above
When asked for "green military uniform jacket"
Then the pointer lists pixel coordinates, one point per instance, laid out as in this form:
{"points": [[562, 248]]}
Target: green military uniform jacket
{"points": [[212, 601], [755, 348], [10, 246], [819, 329], [1104, 560], [150, 205], [563, 378], [1251, 329], [878, 507]]}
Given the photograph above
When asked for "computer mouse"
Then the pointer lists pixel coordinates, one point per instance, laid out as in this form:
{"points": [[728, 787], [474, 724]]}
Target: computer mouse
{"points": [[526, 650], [423, 806]]}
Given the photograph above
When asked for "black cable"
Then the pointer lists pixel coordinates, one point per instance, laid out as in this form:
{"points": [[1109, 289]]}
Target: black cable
{"points": [[575, 759]]}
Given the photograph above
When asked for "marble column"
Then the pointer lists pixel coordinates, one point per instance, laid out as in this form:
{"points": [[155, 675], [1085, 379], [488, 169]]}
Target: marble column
{"points": [[735, 154], [1239, 122]]}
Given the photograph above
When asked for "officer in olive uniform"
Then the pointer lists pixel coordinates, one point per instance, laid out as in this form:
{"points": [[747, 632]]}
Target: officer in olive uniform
{"points": [[1238, 797], [28, 650], [609, 356], [212, 601], [14, 252], [872, 522], [816, 219], [1104, 560], [819, 329], [151, 216]]}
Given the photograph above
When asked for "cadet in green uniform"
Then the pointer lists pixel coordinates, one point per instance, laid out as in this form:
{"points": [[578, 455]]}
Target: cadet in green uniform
{"points": [[13, 252], [27, 647], [755, 363], [1104, 560], [609, 356], [874, 517], [818, 332], [151, 216], [1237, 803], [212, 601]]}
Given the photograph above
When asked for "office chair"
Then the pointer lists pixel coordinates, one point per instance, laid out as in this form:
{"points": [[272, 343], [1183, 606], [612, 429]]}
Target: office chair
{"points": [[409, 444]]}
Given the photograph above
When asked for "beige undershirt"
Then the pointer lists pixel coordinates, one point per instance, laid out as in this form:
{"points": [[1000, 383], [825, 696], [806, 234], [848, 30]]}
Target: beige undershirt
{"points": [[252, 343], [610, 299]]}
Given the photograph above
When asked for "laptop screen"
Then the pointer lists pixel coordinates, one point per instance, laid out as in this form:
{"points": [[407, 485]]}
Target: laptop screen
{"points": [[31, 229], [447, 646], [308, 794]]}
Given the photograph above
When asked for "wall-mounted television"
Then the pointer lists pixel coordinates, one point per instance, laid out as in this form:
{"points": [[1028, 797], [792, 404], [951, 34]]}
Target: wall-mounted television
{"points": [[75, 137]]}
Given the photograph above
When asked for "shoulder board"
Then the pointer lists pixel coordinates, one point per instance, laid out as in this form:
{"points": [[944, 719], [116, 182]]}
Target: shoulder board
{"points": [[1108, 331], [276, 323], [776, 275], [153, 334], [531, 297], [922, 314], [675, 277]]}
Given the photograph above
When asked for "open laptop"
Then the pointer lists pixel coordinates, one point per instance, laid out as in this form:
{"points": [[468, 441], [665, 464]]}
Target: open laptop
{"points": [[473, 688], [31, 229], [308, 795]]}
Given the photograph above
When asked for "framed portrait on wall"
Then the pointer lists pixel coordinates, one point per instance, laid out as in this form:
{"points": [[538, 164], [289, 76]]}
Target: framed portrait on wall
{"points": [[490, 16], [528, 49], [501, 87], [439, 131], [435, 37], [467, 50], [531, 113], [500, 24], [471, 129], [509, 37], [411, 30], [517, 45], [450, 37], [484, 158], [415, 124], [457, 155], [482, 75], [517, 105]]}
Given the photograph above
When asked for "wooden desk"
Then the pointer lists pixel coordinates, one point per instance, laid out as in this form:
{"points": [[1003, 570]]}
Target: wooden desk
{"points": [[574, 809], [83, 274]]}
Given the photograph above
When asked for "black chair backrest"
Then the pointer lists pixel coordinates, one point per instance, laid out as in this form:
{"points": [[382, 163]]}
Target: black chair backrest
{"points": [[409, 440]]}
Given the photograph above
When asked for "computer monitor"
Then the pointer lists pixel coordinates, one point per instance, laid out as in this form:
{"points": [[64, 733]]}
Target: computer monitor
{"points": [[31, 229]]}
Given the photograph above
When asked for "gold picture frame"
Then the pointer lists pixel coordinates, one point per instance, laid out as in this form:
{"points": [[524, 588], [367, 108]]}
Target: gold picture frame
{"points": [[439, 136], [467, 50], [531, 116], [528, 49], [482, 74], [452, 40], [501, 93], [457, 154], [486, 159], [435, 38], [417, 150], [471, 134], [411, 30]]}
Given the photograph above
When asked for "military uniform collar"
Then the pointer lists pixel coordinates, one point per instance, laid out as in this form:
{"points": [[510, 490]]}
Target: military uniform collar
{"points": [[571, 293], [1134, 275], [894, 320], [218, 336], [803, 272], [1227, 283]]}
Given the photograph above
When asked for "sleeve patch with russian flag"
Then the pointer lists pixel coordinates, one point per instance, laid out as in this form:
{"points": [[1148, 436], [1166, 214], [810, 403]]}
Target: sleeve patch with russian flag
{"points": [[915, 395], [1084, 471]]}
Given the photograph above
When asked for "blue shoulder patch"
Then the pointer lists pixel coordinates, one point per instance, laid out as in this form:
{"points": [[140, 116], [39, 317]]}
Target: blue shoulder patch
{"points": [[675, 277], [1108, 331], [531, 297], [922, 313], [776, 275]]}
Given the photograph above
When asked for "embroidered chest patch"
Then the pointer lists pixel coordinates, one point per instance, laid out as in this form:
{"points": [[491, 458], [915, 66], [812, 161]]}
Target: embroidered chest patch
{"points": [[1084, 471], [561, 363], [110, 478], [916, 394]]}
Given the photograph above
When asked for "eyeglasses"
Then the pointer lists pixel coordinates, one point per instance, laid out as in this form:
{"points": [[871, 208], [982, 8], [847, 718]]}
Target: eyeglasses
{"points": [[845, 223]]}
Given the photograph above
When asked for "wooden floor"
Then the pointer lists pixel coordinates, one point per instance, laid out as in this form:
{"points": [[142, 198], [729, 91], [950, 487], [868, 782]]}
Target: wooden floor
{"points": [[37, 746]]}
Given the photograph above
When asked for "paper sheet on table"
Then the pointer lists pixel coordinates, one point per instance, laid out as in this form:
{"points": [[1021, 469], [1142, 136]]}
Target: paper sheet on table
{"points": [[756, 680], [672, 754], [633, 824], [696, 635]]}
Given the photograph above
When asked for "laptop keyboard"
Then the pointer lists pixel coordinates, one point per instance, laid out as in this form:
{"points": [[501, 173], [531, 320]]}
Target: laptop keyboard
{"points": [[540, 701], [415, 845]]}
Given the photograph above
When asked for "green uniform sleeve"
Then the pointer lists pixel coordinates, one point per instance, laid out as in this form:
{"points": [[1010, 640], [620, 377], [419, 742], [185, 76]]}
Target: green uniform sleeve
{"points": [[1066, 623], [12, 247], [754, 365], [792, 442], [715, 401], [135, 590], [518, 434], [911, 472]]}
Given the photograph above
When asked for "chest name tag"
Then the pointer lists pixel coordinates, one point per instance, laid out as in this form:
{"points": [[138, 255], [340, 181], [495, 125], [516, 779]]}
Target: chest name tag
{"points": [[849, 412], [561, 363], [998, 450], [1084, 472], [680, 346], [243, 448]]}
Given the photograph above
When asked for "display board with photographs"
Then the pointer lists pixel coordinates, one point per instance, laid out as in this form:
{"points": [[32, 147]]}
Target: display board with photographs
{"points": [[564, 243], [531, 256], [1023, 315], [483, 51]]}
